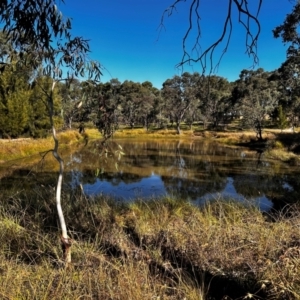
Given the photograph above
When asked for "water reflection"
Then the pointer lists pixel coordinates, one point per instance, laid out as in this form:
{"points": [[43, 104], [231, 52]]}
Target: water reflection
{"points": [[145, 188], [229, 192], [196, 170]]}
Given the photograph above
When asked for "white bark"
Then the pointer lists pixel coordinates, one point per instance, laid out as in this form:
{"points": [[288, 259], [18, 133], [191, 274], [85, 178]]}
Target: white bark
{"points": [[59, 187], [66, 241]]}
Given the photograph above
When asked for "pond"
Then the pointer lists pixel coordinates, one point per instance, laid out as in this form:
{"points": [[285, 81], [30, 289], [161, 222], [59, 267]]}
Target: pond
{"points": [[197, 170]]}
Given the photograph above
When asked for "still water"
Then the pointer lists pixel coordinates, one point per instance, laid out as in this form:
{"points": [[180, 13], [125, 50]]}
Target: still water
{"points": [[196, 170]]}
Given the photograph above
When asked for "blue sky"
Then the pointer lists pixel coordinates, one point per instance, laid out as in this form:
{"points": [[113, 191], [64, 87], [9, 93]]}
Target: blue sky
{"points": [[124, 37]]}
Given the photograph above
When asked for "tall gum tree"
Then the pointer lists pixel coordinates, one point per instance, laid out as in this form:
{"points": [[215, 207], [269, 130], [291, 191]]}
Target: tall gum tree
{"points": [[41, 38], [256, 98], [179, 93], [289, 72]]}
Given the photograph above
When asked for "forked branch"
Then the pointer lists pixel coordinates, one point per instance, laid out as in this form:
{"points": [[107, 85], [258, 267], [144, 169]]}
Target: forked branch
{"points": [[246, 17]]}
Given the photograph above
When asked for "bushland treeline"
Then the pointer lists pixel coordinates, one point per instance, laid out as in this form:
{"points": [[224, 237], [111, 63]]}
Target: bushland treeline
{"points": [[258, 98]]}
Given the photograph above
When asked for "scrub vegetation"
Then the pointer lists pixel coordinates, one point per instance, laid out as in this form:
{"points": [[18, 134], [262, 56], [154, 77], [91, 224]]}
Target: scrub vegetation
{"points": [[163, 248]]}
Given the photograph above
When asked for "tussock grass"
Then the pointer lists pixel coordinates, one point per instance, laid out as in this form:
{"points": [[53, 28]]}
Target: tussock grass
{"points": [[92, 134], [143, 133], [241, 137], [19, 148], [157, 249], [227, 137], [14, 149], [283, 155]]}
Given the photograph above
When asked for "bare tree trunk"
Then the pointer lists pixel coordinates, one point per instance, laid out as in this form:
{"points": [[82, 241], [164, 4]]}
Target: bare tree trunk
{"points": [[178, 128], [66, 242], [259, 131]]}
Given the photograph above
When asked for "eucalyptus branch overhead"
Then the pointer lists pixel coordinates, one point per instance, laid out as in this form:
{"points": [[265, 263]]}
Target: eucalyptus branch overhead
{"points": [[247, 17], [39, 30], [288, 31], [35, 23]]}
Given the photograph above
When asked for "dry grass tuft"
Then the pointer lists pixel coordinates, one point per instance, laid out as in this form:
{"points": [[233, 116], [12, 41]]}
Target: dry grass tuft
{"points": [[19, 148], [143, 133], [157, 249]]}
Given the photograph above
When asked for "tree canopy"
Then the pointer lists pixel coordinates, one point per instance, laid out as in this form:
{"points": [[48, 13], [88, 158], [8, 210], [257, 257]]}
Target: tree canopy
{"points": [[41, 36]]}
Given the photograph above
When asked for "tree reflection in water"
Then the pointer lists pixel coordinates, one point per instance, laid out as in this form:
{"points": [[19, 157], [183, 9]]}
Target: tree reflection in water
{"points": [[193, 169]]}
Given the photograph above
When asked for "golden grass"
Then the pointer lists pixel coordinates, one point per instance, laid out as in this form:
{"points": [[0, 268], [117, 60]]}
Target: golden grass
{"points": [[19, 148], [240, 137], [159, 249], [283, 155], [92, 134], [228, 137], [143, 133]]}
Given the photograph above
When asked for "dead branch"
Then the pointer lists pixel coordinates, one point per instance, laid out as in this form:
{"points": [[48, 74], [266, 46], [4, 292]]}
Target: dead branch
{"points": [[246, 17]]}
